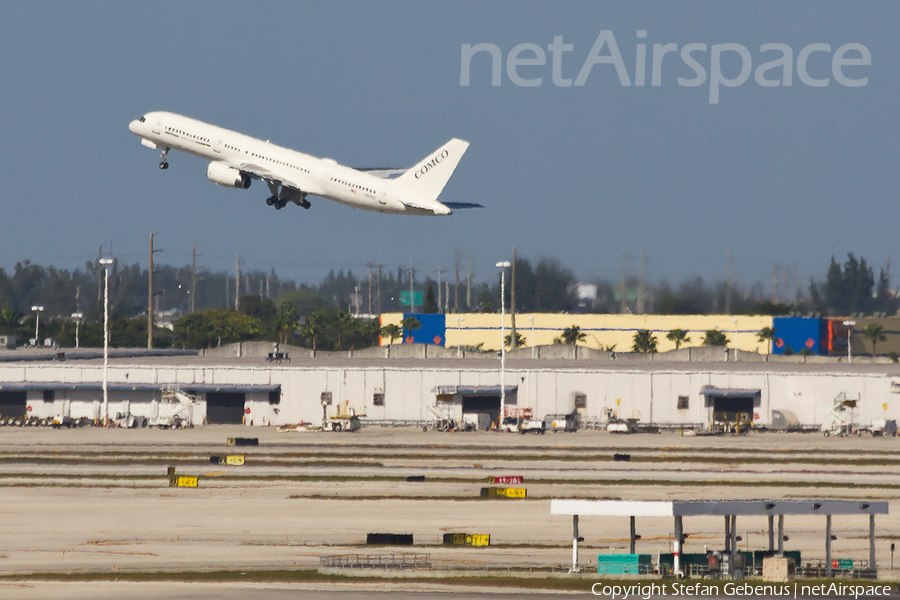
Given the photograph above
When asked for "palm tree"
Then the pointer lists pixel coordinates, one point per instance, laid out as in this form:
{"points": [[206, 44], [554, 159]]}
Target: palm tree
{"points": [[875, 333], [572, 335], [714, 337], [314, 325], [679, 336], [644, 342], [520, 340], [391, 332], [286, 321], [411, 324], [766, 334]]}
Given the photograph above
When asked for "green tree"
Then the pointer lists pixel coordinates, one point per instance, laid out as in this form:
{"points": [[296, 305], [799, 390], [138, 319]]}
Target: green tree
{"points": [[766, 334], [411, 324], [9, 319], [392, 332], [644, 342], [313, 327], [679, 336], [714, 337], [429, 305], [572, 335], [205, 328], [874, 332], [342, 323], [520, 340], [286, 321]]}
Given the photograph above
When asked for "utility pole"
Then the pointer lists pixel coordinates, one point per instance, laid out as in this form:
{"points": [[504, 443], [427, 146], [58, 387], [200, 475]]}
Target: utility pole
{"points": [[775, 288], [412, 280], [728, 282], [237, 283], [369, 265], [150, 296], [440, 295], [469, 287], [640, 296], [193, 277], [378, 287], [512, 304], [624, 306], [456, 287]]}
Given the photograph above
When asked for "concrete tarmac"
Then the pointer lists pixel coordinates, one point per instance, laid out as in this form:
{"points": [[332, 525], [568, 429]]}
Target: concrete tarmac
{"points": [[96, 500]]}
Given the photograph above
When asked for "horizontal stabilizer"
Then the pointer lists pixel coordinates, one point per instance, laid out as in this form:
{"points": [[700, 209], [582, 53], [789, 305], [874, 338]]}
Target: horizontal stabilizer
{"points": [[455, 205]]}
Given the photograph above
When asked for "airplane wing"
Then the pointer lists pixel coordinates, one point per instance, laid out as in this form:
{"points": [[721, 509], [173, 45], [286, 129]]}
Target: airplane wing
{"points": [[384, 172], [277, 177]]}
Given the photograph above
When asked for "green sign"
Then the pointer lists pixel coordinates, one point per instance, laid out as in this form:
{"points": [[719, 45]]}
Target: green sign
{"points": [[404, 298]]}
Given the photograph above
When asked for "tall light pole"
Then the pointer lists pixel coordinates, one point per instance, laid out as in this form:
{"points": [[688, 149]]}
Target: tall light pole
{"points": [[77, 317], [531, 321], [849, 325], [105, 263], [458, 320], [502, 266], [37, 324]]}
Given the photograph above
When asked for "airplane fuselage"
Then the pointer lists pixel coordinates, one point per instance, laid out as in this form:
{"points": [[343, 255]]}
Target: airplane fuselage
{"points": [[236, 158]]}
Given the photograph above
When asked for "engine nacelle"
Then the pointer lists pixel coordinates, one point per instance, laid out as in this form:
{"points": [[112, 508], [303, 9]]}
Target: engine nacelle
{"points": [[222, 174]]}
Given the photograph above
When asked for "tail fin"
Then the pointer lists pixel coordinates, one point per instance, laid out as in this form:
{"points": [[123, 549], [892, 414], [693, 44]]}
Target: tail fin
{"points": [[429, 177]]}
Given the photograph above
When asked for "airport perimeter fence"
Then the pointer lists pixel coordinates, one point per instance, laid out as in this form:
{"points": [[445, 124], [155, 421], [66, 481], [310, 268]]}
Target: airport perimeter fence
{"points": [[422, 561]]}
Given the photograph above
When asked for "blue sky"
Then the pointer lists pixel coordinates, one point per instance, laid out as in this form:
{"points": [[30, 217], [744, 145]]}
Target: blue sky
{"points": [[780, 175]]}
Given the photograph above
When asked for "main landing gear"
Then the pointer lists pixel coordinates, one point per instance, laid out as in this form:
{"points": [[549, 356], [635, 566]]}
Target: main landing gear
{"points": [[279, 199], [165, 159]]}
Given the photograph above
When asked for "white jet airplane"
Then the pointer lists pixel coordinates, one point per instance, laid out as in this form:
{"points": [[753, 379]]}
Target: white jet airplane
{"points": [[236, 159]]}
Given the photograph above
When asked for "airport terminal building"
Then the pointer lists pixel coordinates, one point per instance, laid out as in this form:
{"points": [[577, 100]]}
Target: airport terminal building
{"points": [[414, 383]]}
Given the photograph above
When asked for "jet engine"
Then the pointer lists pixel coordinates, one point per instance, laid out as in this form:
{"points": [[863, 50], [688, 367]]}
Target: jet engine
{"points": [[222, 174]]}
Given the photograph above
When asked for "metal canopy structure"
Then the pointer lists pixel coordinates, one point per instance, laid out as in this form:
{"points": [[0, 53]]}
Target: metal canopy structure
{"points": [[132, 387], [729, 509], [729, 392], [469, 390]]}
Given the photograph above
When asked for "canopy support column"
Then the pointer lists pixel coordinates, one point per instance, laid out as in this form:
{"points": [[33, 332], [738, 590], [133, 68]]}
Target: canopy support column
{"points": [[872, 541], [780, 535], [575, 568], [633, 537], [679, 534]]}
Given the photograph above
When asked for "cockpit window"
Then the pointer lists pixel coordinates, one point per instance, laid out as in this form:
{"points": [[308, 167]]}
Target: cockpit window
{"points": [[142, 119]]}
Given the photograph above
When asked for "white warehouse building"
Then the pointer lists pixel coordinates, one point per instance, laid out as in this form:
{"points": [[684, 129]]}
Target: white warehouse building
{"points": [[259, 393]]}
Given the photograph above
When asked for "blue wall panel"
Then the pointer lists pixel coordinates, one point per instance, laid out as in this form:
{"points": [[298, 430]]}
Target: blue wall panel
{"points": [[798, 333], [433, 330]]}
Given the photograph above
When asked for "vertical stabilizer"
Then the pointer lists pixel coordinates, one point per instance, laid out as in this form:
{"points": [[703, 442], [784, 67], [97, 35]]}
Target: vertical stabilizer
{"points": [[429, 177]]}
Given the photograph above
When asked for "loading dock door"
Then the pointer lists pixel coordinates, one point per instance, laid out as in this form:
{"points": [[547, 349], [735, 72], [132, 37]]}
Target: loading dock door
{"points": [[489, 405], [225, 408], [731, 408], [12, 404]]}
